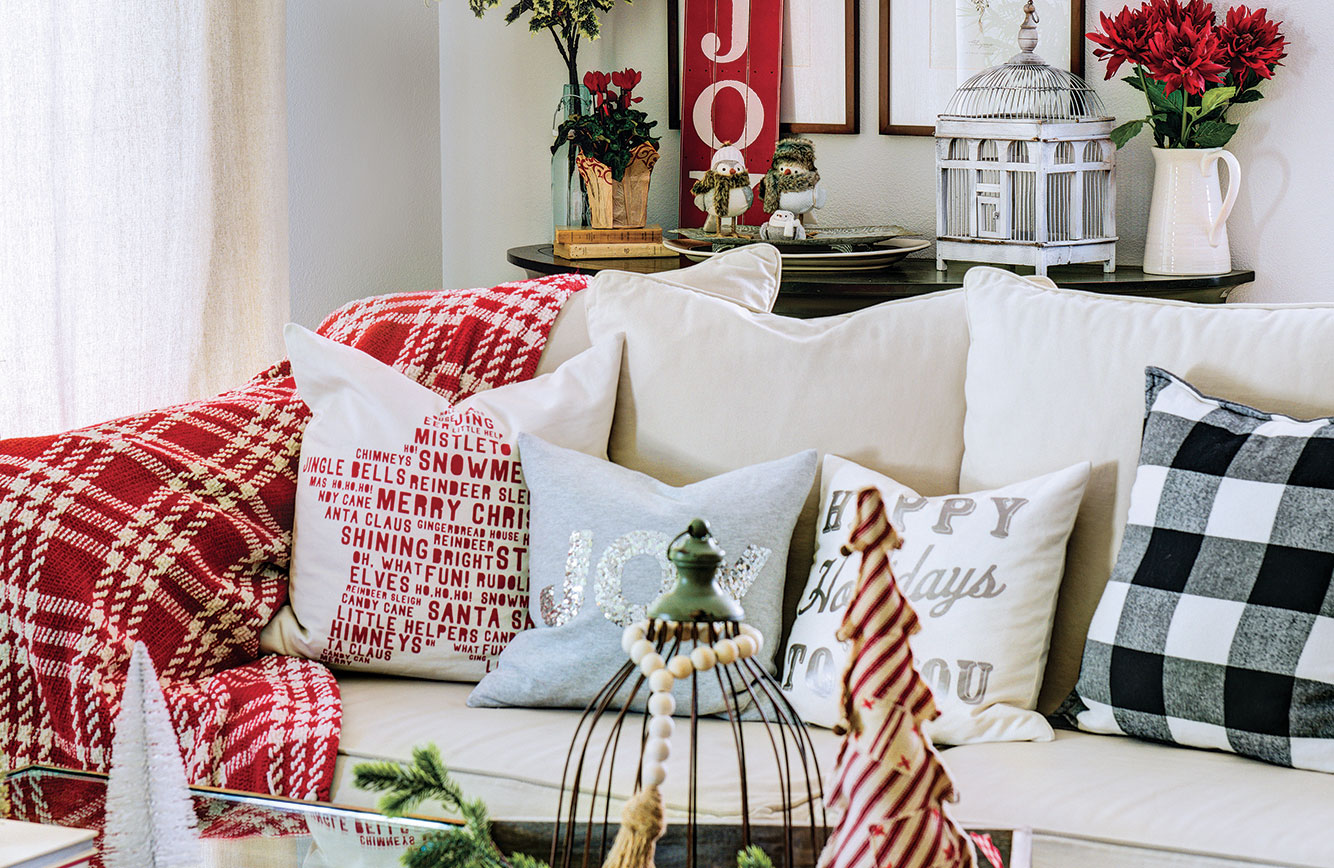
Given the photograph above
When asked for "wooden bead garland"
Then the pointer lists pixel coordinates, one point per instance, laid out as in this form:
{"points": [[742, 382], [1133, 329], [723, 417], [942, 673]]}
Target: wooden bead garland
{"points": [[661, 681], [639, 649], [663, 674], [680, 666]]}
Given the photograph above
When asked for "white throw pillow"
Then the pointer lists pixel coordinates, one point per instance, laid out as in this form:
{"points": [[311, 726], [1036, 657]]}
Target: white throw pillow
{"points": [[411, 538], [600, 538], [981, 570], [1057, 376], [747, 275], [707, 387]]}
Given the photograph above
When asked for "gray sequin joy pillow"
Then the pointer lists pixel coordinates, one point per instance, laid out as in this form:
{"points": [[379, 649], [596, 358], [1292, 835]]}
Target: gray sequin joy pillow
{"points": [[598, 535]]}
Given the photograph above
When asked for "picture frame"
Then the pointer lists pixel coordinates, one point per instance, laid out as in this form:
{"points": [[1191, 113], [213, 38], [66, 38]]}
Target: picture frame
{"points": [[929, 47], [821, 87]]}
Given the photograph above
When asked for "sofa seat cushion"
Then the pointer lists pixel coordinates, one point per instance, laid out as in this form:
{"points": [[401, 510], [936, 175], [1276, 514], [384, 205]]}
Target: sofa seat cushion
{"points": [[513, 758], [1102, 788], [1080, 793]]}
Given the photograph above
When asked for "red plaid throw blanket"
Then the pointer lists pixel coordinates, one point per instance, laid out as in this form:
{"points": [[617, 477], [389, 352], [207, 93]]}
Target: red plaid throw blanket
{"points": [[174, 527]]}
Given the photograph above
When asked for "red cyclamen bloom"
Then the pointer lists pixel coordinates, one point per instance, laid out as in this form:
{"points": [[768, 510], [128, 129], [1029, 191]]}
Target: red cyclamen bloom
{"points": [[626, 80], [1184, 57], [1124, 39], [1251, 44], [596, 81]]}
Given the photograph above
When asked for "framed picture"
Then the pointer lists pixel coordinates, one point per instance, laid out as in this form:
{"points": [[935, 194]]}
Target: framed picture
{"points": [[930, 47], [820, 88]]}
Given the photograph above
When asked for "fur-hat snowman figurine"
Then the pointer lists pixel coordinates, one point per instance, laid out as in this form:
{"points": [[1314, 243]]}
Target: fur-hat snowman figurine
{"points": [[724, 192], [792, 183]]}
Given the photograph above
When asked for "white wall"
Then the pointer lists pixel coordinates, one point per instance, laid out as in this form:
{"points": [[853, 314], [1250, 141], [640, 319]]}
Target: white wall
{"points": [[1280, 224], [500, 85], [363, 112]]}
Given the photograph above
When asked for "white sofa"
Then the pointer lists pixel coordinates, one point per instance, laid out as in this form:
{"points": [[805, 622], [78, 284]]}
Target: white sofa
{"points": [[997, 382]]}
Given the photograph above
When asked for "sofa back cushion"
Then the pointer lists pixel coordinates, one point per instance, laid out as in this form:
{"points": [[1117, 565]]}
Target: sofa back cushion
{"points": [[1057, 376], [708, 386]]}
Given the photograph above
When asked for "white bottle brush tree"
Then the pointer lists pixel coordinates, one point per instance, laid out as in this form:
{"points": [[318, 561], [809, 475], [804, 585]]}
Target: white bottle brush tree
{"points": [[150, 821]]}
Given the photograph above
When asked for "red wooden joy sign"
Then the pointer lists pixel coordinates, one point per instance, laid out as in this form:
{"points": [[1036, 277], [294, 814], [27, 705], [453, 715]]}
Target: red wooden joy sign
{"points": [[733, 62]]}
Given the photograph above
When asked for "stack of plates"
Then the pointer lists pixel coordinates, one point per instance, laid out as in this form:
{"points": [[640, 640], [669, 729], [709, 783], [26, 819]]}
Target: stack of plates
{"points": [[820, 252]]}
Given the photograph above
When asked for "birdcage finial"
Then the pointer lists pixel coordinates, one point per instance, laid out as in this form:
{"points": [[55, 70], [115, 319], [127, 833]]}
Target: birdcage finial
{"points": [[1028, 35]]}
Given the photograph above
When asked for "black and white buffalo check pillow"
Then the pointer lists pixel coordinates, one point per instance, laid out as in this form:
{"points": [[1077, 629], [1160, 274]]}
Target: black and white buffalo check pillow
{"points": [[1216, 628]]}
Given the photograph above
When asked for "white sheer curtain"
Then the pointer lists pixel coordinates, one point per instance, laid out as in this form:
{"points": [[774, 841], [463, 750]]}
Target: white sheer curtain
{"points": [[143, 204]]}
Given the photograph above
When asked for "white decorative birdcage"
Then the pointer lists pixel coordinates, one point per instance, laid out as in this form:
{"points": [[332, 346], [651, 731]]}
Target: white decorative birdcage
{"points": [[1025, 167]]}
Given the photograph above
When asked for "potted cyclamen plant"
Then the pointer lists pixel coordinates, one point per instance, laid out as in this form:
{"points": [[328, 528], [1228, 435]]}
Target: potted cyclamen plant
{"points": [[1192, 69], [616, 150]]}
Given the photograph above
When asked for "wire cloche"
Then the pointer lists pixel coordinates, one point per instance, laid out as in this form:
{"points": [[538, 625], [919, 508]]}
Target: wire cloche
{"points": [[695, 648], [1025, 166]]}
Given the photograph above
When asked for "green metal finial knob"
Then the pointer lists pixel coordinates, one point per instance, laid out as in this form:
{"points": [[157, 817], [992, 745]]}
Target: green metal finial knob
{"points": [[697, 596]]}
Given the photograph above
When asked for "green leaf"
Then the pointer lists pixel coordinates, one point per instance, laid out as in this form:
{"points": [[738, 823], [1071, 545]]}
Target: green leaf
{"points": [[1165, 129], [1212, 134], [1251, 94], [1127, 131], [1214, 98], [1159, 99], [516, 11], [1134, 81]]}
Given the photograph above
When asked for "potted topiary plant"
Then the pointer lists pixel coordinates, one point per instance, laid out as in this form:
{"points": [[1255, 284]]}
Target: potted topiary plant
{"points": [[569, 22], [616, 150]]}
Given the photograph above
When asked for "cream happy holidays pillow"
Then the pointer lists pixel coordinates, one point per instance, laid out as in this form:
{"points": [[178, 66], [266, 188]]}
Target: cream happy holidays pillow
{"points": [[411, 537], [981, 570]]}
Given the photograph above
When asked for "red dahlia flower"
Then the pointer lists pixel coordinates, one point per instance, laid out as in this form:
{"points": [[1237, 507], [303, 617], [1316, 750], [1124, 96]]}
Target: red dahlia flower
{"points": [[1251, 44], [1197, 12], [1185, 57], [1124, 39]]}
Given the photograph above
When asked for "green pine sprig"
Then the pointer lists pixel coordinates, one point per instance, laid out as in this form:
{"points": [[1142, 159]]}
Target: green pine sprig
{"points": [[426, 778], [753, 857], [469, 846]]}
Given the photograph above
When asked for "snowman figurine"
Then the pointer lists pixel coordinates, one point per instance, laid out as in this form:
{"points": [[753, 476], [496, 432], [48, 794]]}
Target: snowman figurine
{"points": [[783, 226], [724, 192], [792, 183]]}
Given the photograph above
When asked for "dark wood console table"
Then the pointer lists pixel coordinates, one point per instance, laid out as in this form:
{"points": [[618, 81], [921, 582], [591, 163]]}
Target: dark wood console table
{"points": [[823, 293]]}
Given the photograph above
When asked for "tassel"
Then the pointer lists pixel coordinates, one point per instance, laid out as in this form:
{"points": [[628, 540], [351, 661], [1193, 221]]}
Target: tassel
{"points": [[642, 824]]}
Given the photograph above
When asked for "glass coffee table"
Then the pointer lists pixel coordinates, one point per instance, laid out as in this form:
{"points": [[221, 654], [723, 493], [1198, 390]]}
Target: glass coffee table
{"points": [[257, 831], [236, 829]]}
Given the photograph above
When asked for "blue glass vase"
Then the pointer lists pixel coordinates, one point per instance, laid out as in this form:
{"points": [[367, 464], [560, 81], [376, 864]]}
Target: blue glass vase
{"points": [[569, 203]]}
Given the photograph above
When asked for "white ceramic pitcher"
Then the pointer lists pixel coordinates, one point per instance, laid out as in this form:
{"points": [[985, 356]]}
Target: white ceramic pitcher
{"points": [[1188, 213]]}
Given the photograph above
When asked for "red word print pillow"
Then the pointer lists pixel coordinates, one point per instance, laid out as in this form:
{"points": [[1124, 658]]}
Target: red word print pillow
{"points": [[411, 542]]}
